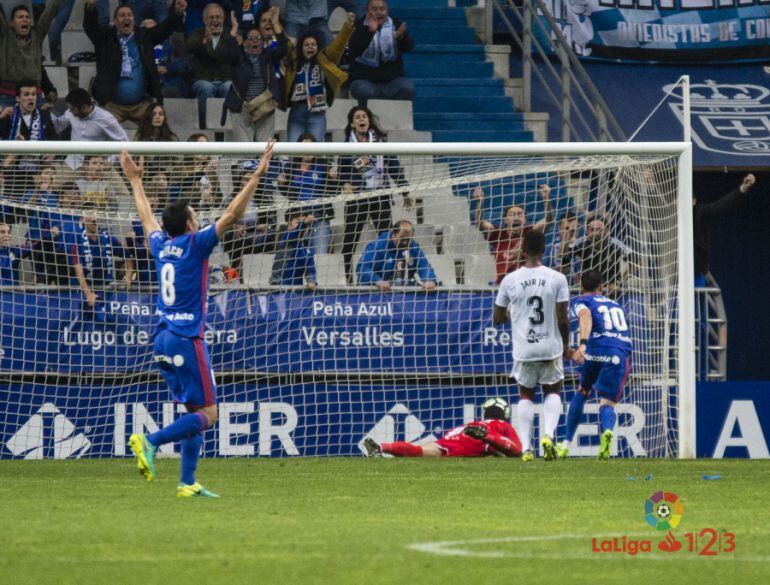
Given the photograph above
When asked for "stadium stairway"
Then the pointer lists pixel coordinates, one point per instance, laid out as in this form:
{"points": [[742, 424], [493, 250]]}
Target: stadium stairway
{"points": [[458, 98]]}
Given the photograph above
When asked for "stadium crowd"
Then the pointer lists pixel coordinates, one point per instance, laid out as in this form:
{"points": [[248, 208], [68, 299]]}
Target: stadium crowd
{"points": [[259, 59]]}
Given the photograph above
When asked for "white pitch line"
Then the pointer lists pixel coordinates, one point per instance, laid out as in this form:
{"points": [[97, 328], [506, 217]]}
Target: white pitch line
{"points": [[453, 548]]}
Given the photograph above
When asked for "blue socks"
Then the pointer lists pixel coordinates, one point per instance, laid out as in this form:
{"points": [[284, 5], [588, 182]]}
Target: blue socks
{"points": [[182, 428], [607, 418], [574, 413], [191, 450]]}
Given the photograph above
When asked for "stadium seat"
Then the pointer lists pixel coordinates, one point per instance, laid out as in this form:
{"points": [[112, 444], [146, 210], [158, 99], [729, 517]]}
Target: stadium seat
{"points": [[214, 115], [408, 136], [444, 267], [85, 74], [337, 235], [337, 115], [75, 22], [479, 269], [393, 114], [181, 113], [281, 120], [368, 234], [330, 270], [75, 42], [425, 236], [256, 269], [219, 259], [463, 239], [441, 207], [19, 234], [60, 79]]}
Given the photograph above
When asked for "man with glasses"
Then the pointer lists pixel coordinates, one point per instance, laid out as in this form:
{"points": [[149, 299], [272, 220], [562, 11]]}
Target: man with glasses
{"points": [[394, 258], [250, 99]]}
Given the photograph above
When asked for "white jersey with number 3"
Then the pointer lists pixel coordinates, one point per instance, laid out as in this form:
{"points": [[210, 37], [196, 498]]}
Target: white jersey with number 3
{"points": [[531, 295]]}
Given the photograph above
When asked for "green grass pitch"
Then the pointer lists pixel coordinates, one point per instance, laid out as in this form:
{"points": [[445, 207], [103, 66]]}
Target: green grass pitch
{"points": [[365, 522]]}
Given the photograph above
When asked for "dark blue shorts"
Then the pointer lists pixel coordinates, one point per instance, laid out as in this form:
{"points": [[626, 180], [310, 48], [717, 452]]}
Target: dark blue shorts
{"points": [[607, 373], [186, 367]]}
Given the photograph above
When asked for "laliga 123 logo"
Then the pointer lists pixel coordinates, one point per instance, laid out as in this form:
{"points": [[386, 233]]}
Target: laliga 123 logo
{"points": [[664, 511]]}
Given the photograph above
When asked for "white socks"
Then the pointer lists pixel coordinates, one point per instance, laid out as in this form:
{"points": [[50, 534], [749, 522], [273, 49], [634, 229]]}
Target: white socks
{"points": [[525, 411], [551, 413]]}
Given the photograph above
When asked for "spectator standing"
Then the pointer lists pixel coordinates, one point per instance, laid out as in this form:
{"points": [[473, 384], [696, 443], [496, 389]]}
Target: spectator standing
{"points": [[154, 9], [702, 215], [93, 258], [395, 258], [212, 55], [376, 51], [255, 90], [564, 234], [51, 230], [366, 173], [24, 121], [127, 79], [305, 179], [60, 23], [307, 16], [172, 64], [506, 238], [294, 263], [86, 122], [21, 48], [313, 78], [597, 250]]}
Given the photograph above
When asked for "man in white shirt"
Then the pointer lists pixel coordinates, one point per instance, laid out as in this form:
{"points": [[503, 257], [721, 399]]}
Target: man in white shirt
{"points": [[88, 122], [537, 298]]}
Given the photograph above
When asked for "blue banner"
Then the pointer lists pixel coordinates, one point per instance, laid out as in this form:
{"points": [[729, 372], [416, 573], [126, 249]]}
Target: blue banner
{"points": [[444, 332], [733, 419], [274, 418], [730, 109], [315, 418], [665, 30]]}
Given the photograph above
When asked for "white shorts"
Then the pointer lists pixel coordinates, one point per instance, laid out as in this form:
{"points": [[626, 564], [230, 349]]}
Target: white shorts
{"points": [[530, 374]]}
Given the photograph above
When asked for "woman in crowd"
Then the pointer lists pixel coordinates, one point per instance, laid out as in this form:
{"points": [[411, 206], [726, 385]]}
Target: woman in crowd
{"points": [[359, 174], [154, 127], [312, 80]]}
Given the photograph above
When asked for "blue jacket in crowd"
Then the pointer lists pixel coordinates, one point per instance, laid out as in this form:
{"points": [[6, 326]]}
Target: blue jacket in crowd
{"points": [[294, 258], [383, 261]]}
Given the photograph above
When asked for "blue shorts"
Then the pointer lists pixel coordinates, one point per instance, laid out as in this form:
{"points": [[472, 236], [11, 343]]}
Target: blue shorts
{"points": [[607, 373], [186, 367]]}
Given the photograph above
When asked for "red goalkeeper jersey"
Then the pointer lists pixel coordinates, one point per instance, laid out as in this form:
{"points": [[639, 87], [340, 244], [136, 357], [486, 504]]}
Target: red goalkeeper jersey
{"points": [[456, 444]]}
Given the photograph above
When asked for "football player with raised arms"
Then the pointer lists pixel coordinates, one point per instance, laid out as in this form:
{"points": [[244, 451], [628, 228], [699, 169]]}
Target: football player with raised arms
{"points": [[605, 357], [493, 435], [535, 299], [181, 252]]}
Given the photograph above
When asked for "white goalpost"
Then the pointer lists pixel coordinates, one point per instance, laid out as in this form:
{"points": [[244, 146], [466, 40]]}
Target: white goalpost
{"points": [[311, 354]]}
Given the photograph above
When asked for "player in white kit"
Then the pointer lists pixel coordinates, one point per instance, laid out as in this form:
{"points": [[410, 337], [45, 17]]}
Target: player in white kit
{"points": [[537, 299]]}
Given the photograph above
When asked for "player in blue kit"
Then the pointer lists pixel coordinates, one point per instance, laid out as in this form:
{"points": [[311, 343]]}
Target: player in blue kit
{"points": [[605, 357], [181, 256]]}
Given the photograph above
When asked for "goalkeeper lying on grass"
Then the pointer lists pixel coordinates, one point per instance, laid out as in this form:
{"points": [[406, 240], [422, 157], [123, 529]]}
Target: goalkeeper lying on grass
{"points": [[491, 436]]}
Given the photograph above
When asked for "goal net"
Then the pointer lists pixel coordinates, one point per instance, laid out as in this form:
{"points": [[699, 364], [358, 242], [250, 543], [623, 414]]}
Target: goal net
{"points": [[353, 300]]}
